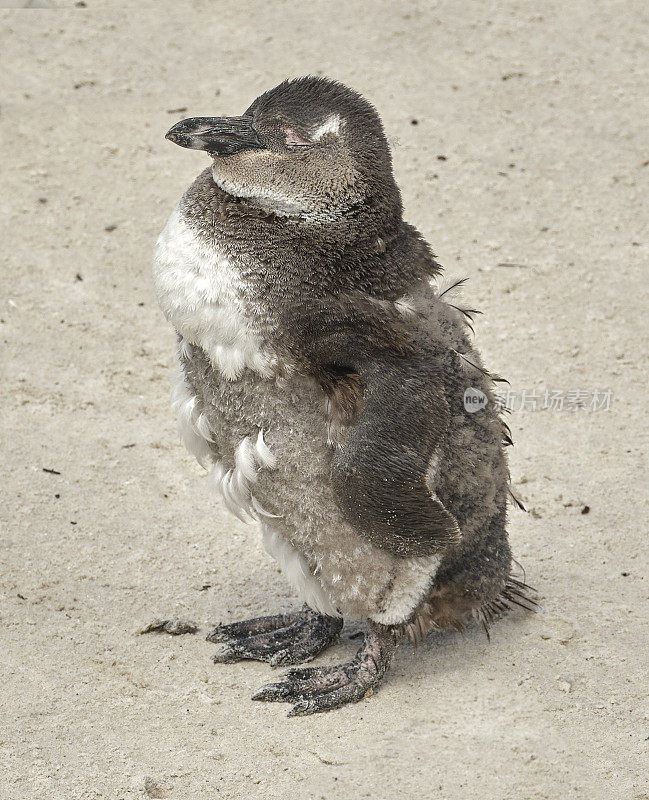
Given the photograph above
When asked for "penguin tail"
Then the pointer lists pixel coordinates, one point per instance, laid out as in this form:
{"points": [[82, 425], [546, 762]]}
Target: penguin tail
{"points": [[516, 594]]}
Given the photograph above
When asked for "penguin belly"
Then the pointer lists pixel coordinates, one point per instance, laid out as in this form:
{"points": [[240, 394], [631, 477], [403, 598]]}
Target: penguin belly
{"points": [[268, 445]]}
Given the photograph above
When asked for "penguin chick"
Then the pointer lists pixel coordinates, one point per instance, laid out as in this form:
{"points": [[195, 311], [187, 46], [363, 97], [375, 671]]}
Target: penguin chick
{"points": [[321, 382]]}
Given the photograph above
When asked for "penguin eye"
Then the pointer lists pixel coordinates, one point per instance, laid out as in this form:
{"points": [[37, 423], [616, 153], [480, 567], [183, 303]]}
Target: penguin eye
{"points": [[294, 140]]}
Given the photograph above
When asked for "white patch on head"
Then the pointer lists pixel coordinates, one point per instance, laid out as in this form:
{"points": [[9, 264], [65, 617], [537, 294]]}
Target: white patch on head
{"points": [[409, 585], [330, 125], [199, 291], [297, 572], [235, 485]]}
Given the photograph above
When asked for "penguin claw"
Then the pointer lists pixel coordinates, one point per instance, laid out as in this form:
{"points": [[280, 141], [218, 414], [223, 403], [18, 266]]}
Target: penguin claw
{"points": [[227, 655], [274, 693], [216, 636], [249, 627], [262, 647], [313, 690], [304, 684], [328, 702], [301, 709], [359, 687], [279, 640]]}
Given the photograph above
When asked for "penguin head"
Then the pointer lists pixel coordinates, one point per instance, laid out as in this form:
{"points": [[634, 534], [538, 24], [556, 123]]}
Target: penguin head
{"points": [[311, 148]]}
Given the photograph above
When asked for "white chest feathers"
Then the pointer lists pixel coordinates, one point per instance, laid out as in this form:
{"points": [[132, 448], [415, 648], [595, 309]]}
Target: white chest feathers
{"points": [[199, 291]]}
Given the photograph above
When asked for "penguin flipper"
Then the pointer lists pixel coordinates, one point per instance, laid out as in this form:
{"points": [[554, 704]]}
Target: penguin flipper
{"points": [[379, 472], [387, 415]]}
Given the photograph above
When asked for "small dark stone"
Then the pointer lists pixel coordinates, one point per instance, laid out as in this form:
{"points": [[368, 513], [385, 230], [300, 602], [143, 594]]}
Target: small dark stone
{"points": [[585, 510], [57, 495], [78, 277], [625, 574], [441, 158], [414, 122], [175, 627], [153, 789], [42, 200]]}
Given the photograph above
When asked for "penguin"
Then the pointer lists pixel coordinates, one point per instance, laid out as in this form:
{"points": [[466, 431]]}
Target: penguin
{"points": [[323, 376]]}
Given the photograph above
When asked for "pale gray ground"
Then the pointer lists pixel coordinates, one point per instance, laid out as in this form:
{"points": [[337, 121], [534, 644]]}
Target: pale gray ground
{"points": [[540, 110]]}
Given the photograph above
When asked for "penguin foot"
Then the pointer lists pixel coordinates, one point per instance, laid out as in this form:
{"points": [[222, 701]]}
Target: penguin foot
{"points": [[279, 639], [317, 689]]}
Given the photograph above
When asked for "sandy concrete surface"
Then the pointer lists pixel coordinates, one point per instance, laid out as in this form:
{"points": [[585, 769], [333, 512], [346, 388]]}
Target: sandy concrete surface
{"points": [[530, 151]]}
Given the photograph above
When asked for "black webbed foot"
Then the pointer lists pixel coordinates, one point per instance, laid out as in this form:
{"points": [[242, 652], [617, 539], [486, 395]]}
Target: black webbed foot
{"points": [[279, 639], [317, 689]]}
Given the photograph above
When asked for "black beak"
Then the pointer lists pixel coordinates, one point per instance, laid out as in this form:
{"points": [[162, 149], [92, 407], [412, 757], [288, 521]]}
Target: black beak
{"points": [[220, 136]]}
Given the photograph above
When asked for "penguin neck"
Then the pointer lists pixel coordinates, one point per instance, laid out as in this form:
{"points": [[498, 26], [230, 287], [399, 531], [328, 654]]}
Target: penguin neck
{"points": [[353, 253]]}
